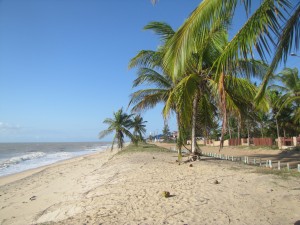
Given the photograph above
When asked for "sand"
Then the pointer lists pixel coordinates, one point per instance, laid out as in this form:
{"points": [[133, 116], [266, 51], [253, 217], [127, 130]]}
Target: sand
{"points": [[263, 153], [106, 188]]}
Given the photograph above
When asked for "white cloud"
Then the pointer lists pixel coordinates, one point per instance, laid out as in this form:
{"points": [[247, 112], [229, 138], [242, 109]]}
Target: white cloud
{"points": [[7, 128]]}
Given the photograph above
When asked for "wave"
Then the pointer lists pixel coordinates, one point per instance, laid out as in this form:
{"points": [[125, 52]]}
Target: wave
{"points": [[30, 160], [22, 158]]}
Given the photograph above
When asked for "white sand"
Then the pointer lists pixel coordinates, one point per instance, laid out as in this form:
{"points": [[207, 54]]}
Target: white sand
{"points": [[127, 189]]}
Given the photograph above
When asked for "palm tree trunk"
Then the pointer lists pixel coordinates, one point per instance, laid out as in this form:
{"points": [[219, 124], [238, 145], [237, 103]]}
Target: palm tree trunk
{"points": [[113, 142], [223, 131], [278, 135], [179, 136], [229, 129], [223, 108], [248, 131], [238, 132], [262, 130], [195, 107]]}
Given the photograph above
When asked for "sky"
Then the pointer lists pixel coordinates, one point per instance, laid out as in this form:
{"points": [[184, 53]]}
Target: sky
{"points": [[64, 64]]}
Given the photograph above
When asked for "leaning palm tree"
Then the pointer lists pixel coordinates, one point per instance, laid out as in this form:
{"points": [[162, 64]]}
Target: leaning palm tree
{"points": [[138, 125], [120, 124], [152, 73]]}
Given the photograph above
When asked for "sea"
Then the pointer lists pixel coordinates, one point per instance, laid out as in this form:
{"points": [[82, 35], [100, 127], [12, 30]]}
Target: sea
{"points": [[18, 157]]}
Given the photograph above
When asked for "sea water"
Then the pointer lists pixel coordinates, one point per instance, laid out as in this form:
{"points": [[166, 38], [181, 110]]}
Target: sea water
{"points": [[17, 157]]}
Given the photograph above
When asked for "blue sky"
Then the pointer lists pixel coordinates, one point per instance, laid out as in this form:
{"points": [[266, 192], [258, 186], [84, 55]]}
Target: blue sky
{"points": [[63, 64]]}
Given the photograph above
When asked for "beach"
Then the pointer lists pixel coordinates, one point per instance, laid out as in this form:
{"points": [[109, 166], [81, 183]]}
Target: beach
{"points": [[110, 188]]}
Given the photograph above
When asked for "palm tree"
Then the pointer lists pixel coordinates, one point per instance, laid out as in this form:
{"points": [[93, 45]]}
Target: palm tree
{"points": [[152, 73], [185, 91], [261, 31], [285, 99], [138, 126], [120, 124], [290, 88], [202, 77], [273, 97], [161, 87], [193, 84]]}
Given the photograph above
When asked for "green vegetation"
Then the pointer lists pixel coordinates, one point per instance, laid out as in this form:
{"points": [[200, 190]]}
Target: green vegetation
{"points": [[204, 78], [138, 125], [166, 133], [143, 147], [121, 123]]}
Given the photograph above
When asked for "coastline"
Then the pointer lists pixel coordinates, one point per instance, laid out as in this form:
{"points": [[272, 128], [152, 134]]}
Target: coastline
{"points": [[35, 157], [29, 172], [110, 188]]}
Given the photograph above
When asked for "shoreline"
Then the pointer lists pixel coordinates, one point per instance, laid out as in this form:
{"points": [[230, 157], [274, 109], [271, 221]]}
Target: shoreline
{"points": [[29, 172], [111, 188], [41, 167]]}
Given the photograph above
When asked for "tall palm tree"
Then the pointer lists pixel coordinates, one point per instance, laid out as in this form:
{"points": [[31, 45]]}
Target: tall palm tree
{"points": [[261, 31], [120, 124], [152, 73], [273, 97], [193, 84], [203, 76], [138, 125]]}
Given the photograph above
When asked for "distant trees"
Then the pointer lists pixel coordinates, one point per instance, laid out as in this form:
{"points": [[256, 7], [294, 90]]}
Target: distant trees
{"points": [[139, 128], [121, 123], [166, 132], [286, 102], [290, 90]]}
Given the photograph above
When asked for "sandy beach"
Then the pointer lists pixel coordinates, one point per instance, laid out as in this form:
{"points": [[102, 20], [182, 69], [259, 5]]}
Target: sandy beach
{"points": [[110, 188], [263, 153]]}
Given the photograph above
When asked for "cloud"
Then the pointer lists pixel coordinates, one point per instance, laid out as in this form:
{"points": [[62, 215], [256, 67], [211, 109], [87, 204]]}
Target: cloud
{"points": [[7, 128]]}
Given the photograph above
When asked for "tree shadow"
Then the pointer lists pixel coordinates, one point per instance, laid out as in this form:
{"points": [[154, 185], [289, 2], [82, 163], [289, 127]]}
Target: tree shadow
{"points": [[288, 156]]}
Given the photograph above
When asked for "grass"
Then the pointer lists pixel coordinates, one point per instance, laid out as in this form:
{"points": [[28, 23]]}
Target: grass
{"points": [[143, 147]]}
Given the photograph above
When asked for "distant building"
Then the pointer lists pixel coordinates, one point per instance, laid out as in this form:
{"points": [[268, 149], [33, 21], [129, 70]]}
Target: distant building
{"points": [[175, 134]]}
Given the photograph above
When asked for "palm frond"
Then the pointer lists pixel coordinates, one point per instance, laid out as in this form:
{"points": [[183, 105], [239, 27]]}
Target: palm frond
{"points": [[256, 31], [108, 121], [151, 77], [290, 35], [146, 58], [183, 95], [251, 68], [147, 99], [104, 133], [199, 23], [164, 30]]}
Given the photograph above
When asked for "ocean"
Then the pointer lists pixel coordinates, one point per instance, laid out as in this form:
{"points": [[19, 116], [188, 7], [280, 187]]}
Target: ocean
{"points": [[18, 157]]}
